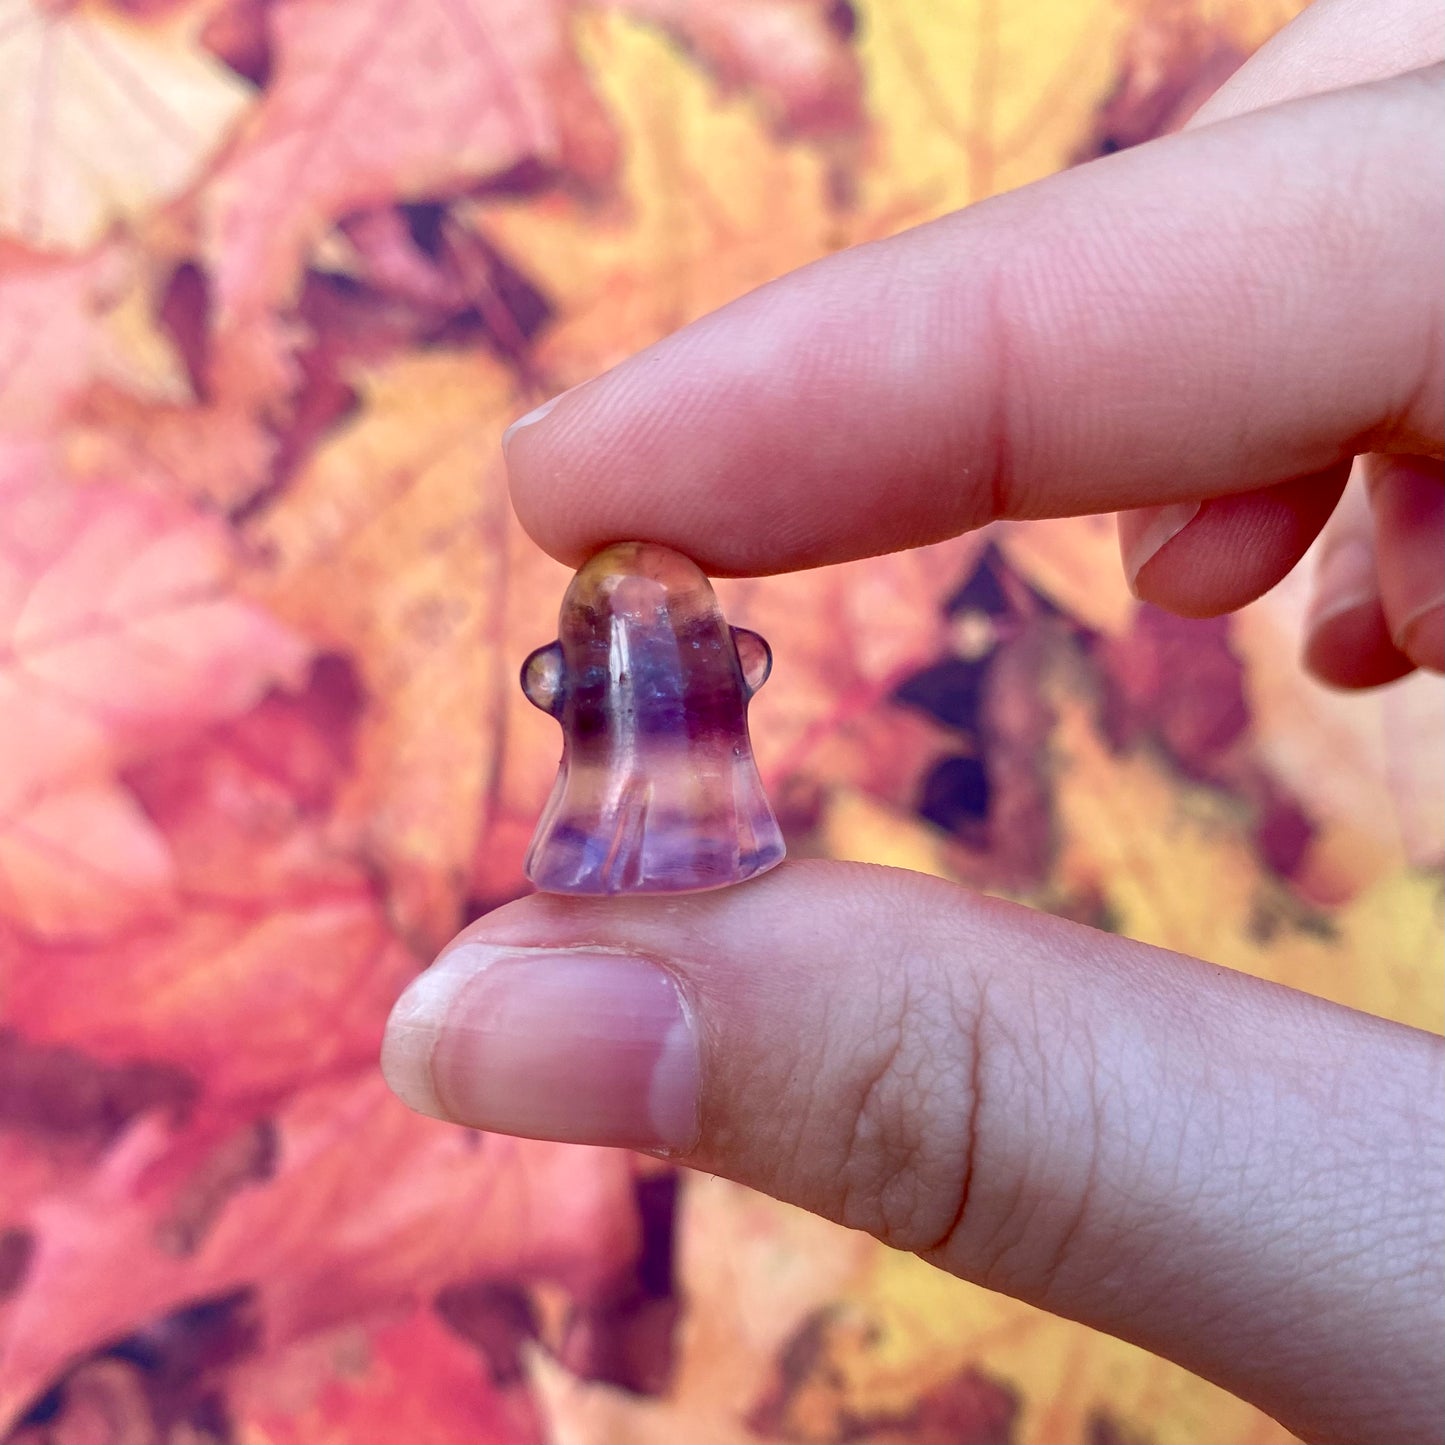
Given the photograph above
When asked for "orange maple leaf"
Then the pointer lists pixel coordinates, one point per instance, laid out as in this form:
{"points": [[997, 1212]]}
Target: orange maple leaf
{"points": [[261, 605]]}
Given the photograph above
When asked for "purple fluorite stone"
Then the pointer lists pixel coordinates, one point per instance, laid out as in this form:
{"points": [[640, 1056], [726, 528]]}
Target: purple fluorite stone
{"points": [[657, 791]]}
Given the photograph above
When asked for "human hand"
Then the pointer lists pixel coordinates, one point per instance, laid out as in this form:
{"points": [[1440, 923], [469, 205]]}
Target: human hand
{"points": [[1242, 1178]]}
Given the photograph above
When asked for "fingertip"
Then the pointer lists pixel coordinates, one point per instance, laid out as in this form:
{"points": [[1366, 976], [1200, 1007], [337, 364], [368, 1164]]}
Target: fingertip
{"points": [[1144, 533], [531, 418], [1346, 641], [626, 457], [1421, 637], [1205, 560], [1348, 645], [536, 449], [1407, 499], [410, 1040]]}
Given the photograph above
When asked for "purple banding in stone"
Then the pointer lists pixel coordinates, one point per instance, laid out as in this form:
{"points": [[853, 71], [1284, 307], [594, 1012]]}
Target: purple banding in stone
{"points": [[657, 790]]}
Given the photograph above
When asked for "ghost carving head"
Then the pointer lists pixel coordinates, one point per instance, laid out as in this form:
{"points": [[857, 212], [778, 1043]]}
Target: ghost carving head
{"points": [[657, 791]]}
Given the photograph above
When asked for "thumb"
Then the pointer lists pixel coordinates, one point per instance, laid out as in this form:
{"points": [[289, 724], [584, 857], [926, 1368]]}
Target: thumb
{"points": [[1226, 1172]]}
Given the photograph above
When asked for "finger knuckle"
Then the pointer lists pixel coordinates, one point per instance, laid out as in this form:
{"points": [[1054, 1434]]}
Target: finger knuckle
{"points": [[907, 1117], [954, 1112]]}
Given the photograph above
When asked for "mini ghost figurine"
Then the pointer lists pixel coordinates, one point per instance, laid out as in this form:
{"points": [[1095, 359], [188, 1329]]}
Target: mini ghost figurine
{"points": [[657, 791]]}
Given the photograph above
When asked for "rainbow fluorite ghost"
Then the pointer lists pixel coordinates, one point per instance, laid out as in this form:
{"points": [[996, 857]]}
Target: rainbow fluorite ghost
{"points": [[657, 791]]}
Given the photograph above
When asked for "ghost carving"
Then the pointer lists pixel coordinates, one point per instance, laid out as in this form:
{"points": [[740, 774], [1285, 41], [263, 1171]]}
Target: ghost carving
{"points": [[657, 791]]}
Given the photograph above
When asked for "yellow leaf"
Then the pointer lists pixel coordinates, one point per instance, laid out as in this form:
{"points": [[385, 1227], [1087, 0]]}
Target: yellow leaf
{"points": [[397, 545], [858, 830], [1074, 562], [102, 117], [1176, 867]]}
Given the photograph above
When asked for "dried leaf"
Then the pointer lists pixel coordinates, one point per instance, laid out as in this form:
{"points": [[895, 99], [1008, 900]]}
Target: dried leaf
{"points": [[119, 639], [406, 1380], [373, 101], [103, 116], [1356, 761], [450, 1204], [397, 546], [261, 605], [49, 335], [795, 54]]}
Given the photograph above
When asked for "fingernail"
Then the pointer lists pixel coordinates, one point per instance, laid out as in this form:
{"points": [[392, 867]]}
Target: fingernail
{"points": [[1166, 524], [1344, 580], [530, 419], [1419, 635], [584, 1047]]}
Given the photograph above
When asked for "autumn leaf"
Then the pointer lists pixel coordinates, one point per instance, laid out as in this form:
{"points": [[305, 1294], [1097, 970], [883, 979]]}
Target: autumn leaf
{"points": [[48, 337], [508, 1208], [405, 1380], [103, 116], [794, 55], [374, 102], [195, 1175], [118, 638], [709, 206], [397, 547], [1369, 782], [274, 275]]}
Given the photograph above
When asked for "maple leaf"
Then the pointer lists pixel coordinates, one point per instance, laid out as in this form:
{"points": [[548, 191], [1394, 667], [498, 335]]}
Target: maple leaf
{"points": [[794, 53], [116, 638], [397, 546], [195, 1177], [709, 201], [1344, 755], [47, 338], [372, 102], [259, 879], [102, 117], [376, 102], [222, 856], [449, 1205], [404, 1380]]}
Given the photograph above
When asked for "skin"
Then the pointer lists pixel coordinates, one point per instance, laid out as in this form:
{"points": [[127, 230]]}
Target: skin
{"points": [[1239, 1177]]}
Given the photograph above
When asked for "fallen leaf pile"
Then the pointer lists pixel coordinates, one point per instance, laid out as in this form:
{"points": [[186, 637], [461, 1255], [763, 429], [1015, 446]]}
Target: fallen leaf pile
{"points": [[274, 274]]}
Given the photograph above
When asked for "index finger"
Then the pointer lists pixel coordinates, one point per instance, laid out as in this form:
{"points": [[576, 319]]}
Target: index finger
{"points": [[1210, 313]]}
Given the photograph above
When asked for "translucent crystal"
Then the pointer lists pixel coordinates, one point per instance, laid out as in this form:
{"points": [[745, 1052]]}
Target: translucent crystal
{"points": [[657, 791]]}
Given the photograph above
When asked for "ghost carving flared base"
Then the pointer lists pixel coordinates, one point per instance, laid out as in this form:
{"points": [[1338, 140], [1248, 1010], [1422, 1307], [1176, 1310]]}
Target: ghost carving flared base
{"points": [[657, 790]]}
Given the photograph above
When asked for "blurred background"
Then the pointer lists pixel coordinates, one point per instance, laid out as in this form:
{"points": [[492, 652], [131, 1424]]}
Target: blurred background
{"points": [[274, 274]]}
